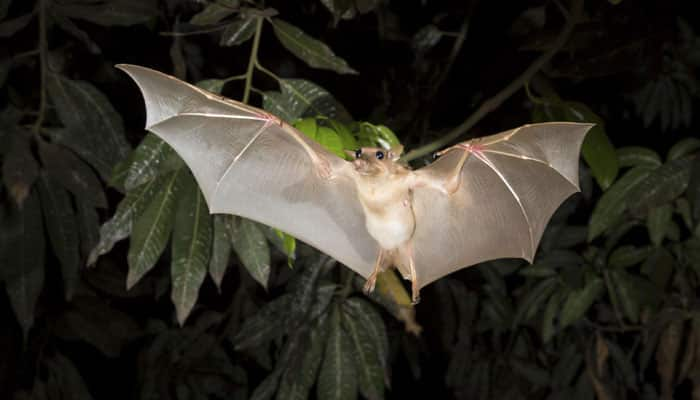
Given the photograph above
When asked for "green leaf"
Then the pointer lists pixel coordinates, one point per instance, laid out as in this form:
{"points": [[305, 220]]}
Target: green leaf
{"points": [[110, 12], [632, 156], [88, 227], [215, 11], [531, 302], [327, 138], [212, 85], [662, 186], [550, 312], [627, 256], [130, 208], [11, 26], [683, 148], [19, 168], [659, 220], [632, 291], [252, 249], [367, 315], [314, 52], [301, 98], [23, 271], [376, 135], [61, 225], [68, 377], [94, 130], [537, 271], [297, 382], [72, 173], [368, 366], [152, 229], [579, 301], [151, 159], [238, 32], [614, 201], [191, 248], [221, 248], [268, 323], [337, 379]]}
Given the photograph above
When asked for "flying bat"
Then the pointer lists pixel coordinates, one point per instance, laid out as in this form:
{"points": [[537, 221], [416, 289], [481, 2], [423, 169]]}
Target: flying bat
{"points": [[483, 199]]}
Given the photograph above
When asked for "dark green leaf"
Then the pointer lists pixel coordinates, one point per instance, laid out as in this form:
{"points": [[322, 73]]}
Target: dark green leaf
{"points": [[341, 9], [535, 297], [633, 156], [627, 256], [212, 85], [68, 378], [268, 323], [215, 11], [221, 248], [252, 249], [94, 129], [683, 148], [663, 185], [23, 272], [301, 98], [426, 38], [615, 201], [310, 50], [151, 159], [94, 321], [110, 12], [694, 189], [61, 224], [10, 27], [297, 382], [535, 374], [579, 301], [191, 248], [537, 271], [338, 377], [19, 168], [659, 220], [152, 229], [550, 313], [72, 29], [368, 366], [366, 315], [633, 292], [88, 226], [658, 267], [130, 208], [72, 173], [238, 31]]}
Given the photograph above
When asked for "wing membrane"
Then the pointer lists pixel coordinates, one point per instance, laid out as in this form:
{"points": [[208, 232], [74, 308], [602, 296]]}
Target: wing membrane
{"points": [[249, 164]]}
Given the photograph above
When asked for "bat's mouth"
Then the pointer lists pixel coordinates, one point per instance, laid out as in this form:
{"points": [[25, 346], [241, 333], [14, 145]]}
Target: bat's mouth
{"points": [[365, 167]]}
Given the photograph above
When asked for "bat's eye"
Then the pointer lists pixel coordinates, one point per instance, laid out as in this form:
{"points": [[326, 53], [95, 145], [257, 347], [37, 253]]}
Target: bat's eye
{"points": [[436, 156], [358, 153], [380, 155]]}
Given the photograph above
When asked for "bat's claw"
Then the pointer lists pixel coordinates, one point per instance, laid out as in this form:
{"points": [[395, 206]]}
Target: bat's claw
{"points": [[323, 168], [415, 295], [369, 285]]}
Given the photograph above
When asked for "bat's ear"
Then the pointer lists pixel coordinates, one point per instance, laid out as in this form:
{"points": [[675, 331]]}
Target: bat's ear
{"points": [[395, 152]]}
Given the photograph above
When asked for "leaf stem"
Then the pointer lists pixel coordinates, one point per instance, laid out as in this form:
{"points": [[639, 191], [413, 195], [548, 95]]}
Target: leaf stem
{"points": [[267, 71], [494, 102], [252, 60], [43, 62]]}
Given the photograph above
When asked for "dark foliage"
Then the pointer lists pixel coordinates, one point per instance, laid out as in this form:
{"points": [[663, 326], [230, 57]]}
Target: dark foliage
{"points": [[196, 306]]}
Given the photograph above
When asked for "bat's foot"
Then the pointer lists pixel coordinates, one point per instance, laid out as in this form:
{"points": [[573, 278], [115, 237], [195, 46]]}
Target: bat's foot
{"points": [[415, 293], [369, 285]]}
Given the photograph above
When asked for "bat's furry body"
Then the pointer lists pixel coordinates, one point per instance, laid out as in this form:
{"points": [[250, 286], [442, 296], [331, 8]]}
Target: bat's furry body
{"points": [[483, 199]]}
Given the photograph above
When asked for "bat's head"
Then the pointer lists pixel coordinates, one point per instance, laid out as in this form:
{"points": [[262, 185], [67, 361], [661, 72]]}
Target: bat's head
{"points": [[376, 160]]}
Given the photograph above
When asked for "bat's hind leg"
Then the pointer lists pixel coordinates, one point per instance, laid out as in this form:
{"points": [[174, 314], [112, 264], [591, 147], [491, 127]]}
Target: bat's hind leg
{"points": [[415, 289], [378, 268]]}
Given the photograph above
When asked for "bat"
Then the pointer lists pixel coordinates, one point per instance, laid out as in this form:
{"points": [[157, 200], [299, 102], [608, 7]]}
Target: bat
{"points": [[483, 199]]}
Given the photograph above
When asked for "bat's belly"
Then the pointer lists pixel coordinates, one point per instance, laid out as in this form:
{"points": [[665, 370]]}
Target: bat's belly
{"points": [[392, 227]]}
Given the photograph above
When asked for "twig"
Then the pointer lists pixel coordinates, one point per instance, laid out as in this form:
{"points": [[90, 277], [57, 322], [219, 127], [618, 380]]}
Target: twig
{"points": [[495, 101], [43, 65], [252, 60]]}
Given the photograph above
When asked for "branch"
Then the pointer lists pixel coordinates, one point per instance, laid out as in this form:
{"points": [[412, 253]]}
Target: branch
{"points": [[252, 60], [495, 101]]}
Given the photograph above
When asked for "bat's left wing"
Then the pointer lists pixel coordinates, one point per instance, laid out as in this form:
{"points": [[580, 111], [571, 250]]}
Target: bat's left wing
{"points": [[505, 189]]}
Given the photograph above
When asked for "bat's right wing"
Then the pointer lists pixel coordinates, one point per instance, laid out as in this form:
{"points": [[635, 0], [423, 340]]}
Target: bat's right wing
{"points": [[248, 163]]}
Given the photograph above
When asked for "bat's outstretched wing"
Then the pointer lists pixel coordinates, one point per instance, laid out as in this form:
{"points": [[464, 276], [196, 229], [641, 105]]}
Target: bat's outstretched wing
{"points": [[507, 188], [249, 163]]}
